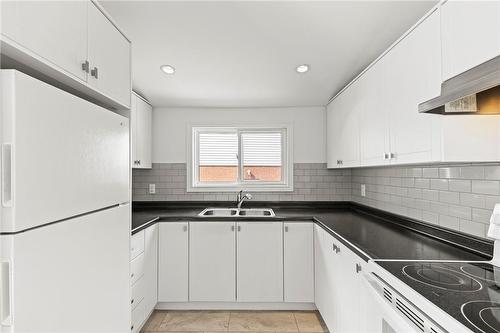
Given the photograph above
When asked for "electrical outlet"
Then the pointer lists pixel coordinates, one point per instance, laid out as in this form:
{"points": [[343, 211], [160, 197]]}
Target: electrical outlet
{"points": [[363, 190], [152, 188]]}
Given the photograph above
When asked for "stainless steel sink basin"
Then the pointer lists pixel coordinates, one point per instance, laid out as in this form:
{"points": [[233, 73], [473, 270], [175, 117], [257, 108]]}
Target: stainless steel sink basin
{"points": [[256, 212], [224, 212]]}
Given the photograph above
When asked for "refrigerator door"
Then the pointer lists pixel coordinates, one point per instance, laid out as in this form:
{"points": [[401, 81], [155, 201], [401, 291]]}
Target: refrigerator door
{"points": [[71, 276], [61, 156]]}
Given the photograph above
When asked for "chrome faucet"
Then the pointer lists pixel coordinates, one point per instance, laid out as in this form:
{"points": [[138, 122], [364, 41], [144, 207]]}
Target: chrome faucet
{"points": [[242, 197]]}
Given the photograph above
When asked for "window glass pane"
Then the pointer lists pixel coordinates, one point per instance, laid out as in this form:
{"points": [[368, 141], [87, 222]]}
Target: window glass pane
{"points": [[262, 159], [218, 160]]}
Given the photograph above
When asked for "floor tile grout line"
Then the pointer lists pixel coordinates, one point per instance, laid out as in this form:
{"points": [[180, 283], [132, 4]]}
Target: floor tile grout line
{"points": [[296, 323]]}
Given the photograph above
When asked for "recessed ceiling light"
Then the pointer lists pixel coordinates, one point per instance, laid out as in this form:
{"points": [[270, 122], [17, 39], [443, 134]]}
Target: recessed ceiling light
{"points": [[302, 68], [167, 69]]}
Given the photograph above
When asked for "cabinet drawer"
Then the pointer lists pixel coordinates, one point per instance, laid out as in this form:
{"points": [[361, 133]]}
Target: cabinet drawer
{"points": [[138, 315], [138, 292], [136, 245], [137, 269]]}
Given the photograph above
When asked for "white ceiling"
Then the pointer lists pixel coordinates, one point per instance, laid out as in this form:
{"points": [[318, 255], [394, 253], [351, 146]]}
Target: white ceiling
{"points": [[244, 54]]}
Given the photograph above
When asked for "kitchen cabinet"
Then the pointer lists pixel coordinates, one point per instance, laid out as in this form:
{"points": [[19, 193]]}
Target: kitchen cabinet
{"points": [[212, 261], [260, 261], [342, 117], [63, 39], [413, 68], [78, 47], [150, 269], [298, 266], [339, 285], [173, 262], [470, 34], [141, 127], [109, 57]]}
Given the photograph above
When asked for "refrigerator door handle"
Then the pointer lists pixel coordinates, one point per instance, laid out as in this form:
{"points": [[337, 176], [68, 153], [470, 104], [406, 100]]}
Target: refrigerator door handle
{"points": [[6, 165], [5, 292]]}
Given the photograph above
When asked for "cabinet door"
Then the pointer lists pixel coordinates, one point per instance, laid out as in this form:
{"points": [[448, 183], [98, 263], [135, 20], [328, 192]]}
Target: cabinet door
{"points": [[150, 268], [260, 262], [374, 126], [413, 77], [347, 287], [212, 260], [343, 129], [320, 285], [142, 120], [109, 54], [298, 262], [329, 312], [53, 30], [173, 262], [471, 34]]}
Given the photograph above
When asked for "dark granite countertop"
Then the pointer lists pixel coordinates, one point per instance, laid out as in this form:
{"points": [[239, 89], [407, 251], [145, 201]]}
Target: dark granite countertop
{"points": [[369, 232]]}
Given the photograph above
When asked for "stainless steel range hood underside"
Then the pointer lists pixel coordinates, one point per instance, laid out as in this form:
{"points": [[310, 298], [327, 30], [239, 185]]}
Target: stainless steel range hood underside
{"points": [[473, 81]]}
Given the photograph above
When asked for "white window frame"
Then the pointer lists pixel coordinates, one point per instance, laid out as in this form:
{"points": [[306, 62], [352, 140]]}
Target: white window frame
{"points": [[193, 183]]}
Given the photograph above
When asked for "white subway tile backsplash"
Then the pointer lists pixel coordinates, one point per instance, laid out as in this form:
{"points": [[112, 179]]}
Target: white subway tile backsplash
{"points": [[486, 187]]}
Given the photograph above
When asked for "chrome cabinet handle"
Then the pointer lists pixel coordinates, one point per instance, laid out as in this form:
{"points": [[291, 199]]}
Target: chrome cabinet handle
{"points": [[239, 228], [358, 268], [132, 327], [392, 155], [132, 275], [286, 228], [232, 228], [94, 72], [386, 156], [132, 301], [86, 66], [185, 228], [336, 249]]}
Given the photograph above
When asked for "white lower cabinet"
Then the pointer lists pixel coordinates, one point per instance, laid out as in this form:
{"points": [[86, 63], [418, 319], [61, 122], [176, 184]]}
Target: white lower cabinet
{"points": [[150, 268], [212, 262], [339, 286], [173, 259], [260, 262], [144, 275], [298, 265]]}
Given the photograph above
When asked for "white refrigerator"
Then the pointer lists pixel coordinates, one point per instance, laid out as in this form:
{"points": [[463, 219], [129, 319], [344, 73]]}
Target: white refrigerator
{"points": [[64, 212]]}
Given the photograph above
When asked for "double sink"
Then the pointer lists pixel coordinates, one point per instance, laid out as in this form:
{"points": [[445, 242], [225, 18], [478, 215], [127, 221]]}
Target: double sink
{"points": [[237, 212]]}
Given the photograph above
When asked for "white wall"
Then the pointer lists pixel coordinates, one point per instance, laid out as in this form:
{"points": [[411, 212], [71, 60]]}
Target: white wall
{"points": [[170, 127]]}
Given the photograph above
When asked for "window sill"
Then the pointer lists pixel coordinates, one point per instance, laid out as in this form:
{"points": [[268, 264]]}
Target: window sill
{"points": [[243, 187]]}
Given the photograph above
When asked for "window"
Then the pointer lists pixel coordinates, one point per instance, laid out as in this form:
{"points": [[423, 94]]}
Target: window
{"points": [[230, 159]]}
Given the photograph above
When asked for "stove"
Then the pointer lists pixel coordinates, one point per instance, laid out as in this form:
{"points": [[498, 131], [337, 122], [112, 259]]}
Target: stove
{"points": [[468, 292]]}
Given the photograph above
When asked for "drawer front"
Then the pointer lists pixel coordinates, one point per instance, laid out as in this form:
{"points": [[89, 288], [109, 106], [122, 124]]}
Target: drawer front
{"points": [[137, 245], [137, 292], [137, 269], [138, 315]]}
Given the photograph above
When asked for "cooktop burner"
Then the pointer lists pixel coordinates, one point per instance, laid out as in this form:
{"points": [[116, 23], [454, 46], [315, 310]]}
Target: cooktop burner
{"points": [[468, 292], [441, 277], [485, 315]]}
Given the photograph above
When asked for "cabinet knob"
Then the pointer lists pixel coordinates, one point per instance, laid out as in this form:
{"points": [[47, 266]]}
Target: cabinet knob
{"points": [[386, 156], [86, 66], [392, 155], [94, 72], [132, 301], [132, 327]]}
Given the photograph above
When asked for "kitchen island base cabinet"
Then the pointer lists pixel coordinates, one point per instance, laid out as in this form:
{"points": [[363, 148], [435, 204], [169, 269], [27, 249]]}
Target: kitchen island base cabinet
{"points": [[260, 262], [173, 262], [298, 266], [212, 262]]}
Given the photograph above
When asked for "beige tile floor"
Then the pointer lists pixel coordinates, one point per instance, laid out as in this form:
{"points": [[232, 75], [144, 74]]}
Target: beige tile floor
{"points": [[235, 321]]}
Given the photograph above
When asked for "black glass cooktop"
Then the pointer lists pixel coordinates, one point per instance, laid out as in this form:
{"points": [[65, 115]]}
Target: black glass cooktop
{"points": [[469, 292]]}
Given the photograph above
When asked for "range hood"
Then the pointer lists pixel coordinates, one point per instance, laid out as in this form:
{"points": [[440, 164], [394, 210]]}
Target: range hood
{"points": [[460, 93]]}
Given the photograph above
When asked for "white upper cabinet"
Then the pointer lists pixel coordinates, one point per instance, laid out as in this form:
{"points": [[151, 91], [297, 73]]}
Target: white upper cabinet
{"points": [[109, 57], [56, 30], [141, 125], [212, 262], [413, 68], [260, 261], [470, 34], [384, 100], [64, 41], [374, 122], [343, 128]]}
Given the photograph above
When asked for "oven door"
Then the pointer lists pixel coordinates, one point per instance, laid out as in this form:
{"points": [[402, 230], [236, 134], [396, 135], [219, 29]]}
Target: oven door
{"points": [[386, 311]]}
